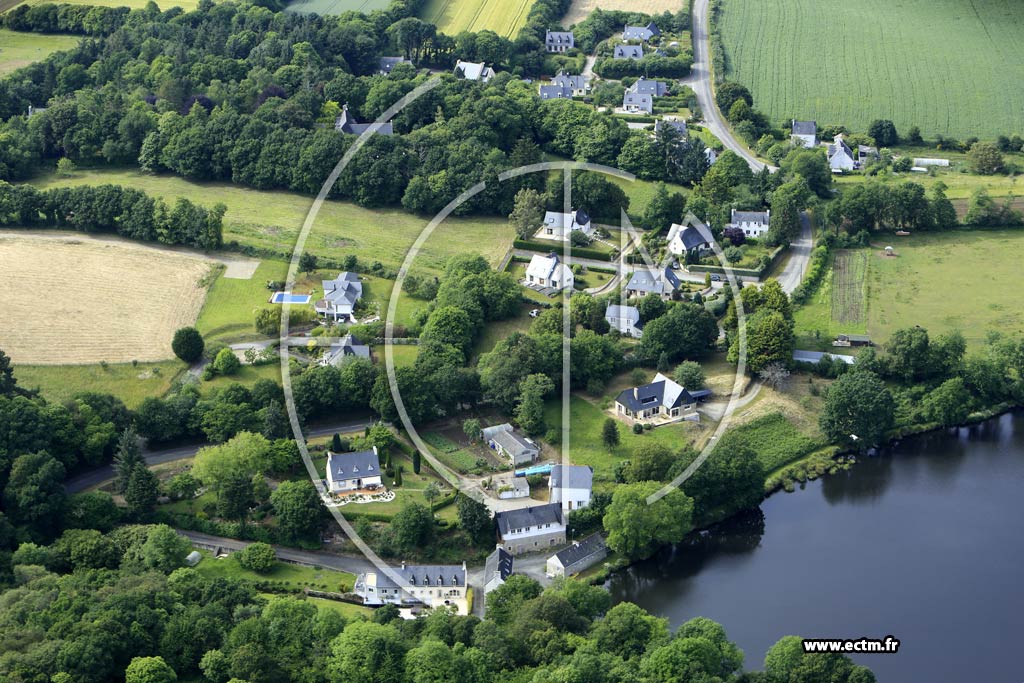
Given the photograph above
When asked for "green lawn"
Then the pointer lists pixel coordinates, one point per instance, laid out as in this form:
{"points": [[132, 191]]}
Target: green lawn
{"points": [[289, 576], [586, 446], [247, 375], [271, 220], [504, 17], [775, 439], [852, 61], [962, 280], [231, 304], [130, 383], [497, 330], [19, 49], [328, 7], [405, 354]]}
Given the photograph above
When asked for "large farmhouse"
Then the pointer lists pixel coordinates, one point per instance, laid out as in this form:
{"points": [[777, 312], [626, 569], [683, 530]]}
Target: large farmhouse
{"points": [[559, 41], [531, 529], [752, 223], [426, 585]]}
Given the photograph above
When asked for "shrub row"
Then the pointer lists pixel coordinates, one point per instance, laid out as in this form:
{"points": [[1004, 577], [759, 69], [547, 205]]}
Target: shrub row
{"points": [[580, 252]]}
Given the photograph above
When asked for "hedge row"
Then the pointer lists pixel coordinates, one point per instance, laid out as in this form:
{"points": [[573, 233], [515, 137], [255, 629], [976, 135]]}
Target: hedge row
{"points": [[579, 252], [815, 270]]}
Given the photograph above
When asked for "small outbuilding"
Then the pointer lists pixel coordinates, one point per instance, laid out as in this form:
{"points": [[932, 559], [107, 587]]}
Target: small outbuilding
{"points": [[193, 558], [581, 555]]}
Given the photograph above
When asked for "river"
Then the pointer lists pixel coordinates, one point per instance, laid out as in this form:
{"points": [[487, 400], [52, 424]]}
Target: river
{"points": [[924, 542]]}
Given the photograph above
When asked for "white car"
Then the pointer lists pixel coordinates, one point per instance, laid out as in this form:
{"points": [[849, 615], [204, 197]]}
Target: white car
{"points": [[534, 313]]}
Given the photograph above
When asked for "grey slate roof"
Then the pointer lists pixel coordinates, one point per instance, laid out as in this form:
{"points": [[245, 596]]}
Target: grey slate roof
{"points": [[816, 356], [565, 79], [651, 396], [347, 347], [691, 237], [355, 465], [641, 101], [622, 313], [749, 217], [513, 443], [805, 127], [555, 92], [641, 32], [839, 145], [346, 123], [628, 52], [680, 126], [591, 545], [672, 279], [572, 476], [425, 575], [560, 38], [550, 513], [653, 88], [499, 563]]}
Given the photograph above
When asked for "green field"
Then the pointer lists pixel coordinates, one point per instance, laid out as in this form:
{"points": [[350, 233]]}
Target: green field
{"points": [[21, 49], [187, 5], [130, 383], [271, 220], [950, 67], [290, 576], [958, 280], [328, 7], [504, 17]]}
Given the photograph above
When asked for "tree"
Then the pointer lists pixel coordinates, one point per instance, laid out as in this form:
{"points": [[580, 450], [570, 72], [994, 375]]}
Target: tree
{"points": [[241, 457], [149, 670], [858, 410], [416, 461], [431, 493], [65, 167], [770, 340], [649, 462], [141, 491], [730, 480], [307, 262], [629, 632], [884, 133], [689, 375], [471, 428], [914, 136], [367, 653], [530, 411], [127, 456], [505, 601], [985, 158], [685, 331], [636, 529], [297, 509], [413, 527], [34, 497], [259, 557], [234, 497], [7, 380], [336, 445], [909, 354], [610, 433], [275, 421], [226, 363], [948, 404], [182, 486], [651, 306], [663, 210], [774, 374], [528, 213], [728, 93], [474, 518], [164, 549], [188, 344]]}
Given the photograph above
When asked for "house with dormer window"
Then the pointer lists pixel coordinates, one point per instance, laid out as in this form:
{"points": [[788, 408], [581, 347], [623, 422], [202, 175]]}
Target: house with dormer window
{"points": [[416, 586], [355, 471]]}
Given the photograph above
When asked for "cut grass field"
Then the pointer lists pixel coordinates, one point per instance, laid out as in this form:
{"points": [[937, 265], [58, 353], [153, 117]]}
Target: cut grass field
{"points": [[78, 300], [949, 67], [130, 383], [187, 5], [959, 185], [289, 576], [581, 9], [271, 220], [19, 49], [329, 7], [958, 280], [504, 17]]}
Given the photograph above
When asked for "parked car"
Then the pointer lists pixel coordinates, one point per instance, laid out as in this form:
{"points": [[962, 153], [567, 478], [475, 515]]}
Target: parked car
{"points": [[716, 278], [534, 313]]}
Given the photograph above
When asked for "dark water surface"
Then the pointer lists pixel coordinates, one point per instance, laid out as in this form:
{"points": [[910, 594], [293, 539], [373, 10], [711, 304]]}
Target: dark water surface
{"points": [[925, 542]]}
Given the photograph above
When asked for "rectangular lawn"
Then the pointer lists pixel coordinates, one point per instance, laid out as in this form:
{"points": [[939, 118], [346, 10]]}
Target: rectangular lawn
{"points": [[19, 49]]}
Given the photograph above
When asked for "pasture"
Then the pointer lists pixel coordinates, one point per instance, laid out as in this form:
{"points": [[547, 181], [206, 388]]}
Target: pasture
{"points": [[79, 300], [580, 9], [271, 220], [504, 17], [949, 67], [958, 280], [329, 7], [21, 49], [128, 382], [187, 5]]}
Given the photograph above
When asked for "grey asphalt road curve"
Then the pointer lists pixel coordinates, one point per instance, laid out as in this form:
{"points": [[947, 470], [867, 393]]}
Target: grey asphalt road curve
{"points": [[799, 257], [344, 563]]}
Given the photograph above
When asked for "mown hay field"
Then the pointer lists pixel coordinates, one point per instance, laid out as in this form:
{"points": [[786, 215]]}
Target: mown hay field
{"points": [[271, 220], [581, 9], [958, 280], [21, 49], [950, 67], [328, 7], [504, 17], [72, 300]]}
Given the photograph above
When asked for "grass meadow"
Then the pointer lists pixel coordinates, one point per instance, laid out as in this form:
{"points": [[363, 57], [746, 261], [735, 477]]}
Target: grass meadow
{"points": [[328, 7], [958, 280], [130, 383], [272, 220], [21, 49], [949, 67], [504, 17], [291, 577], [187, 5]]}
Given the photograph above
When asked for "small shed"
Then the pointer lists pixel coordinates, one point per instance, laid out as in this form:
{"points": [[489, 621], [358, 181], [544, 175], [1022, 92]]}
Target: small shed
{"points": [[514, 487], [579, 556], [193, 558]]}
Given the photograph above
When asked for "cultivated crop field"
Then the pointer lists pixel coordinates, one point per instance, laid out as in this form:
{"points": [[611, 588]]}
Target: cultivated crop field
{"points": [[959, 280], [950, 67], [580, 9], [21, 49], [504, 17], [850, 269], [71, 300], [271, 220], [328, 7]]}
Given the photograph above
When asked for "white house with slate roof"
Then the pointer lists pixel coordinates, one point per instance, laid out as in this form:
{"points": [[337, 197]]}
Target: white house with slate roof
{"points": [[580, 85], [686, 239], [503, 439], [340, 297], [531, 529], [346, 123], [549, 271], [474, 71], [497, 568], [637, 103], [680, 127], [643, 33], [571, 486], [804, 133], [427, 585], [579, 556], [353, 471], [645, 281], [559, 41], [840, 156], [663, 398], [557, 226], [554, 92], [347, 347], [635, 52], [752, 223], [644, 86], [625, 319]]}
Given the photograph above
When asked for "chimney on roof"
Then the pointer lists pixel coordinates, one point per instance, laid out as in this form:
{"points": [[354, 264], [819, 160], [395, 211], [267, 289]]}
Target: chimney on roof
{"points": [[636, 393], [403, 565]]}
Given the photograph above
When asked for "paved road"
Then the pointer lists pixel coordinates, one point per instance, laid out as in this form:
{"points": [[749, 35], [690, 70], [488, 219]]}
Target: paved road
{"points": [[799, 257], [95, 477], [343, 563], [700, 81]]}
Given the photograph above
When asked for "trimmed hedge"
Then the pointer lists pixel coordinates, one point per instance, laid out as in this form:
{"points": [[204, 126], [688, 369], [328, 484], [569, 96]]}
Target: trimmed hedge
{"points": [[580, 252], [748, 272]]}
